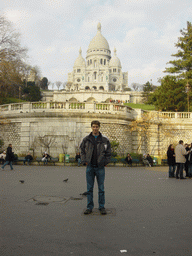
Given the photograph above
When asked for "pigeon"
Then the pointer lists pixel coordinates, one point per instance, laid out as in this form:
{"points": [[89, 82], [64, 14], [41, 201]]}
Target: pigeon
{"points": [[22, 181], [65, 180], [84, 194]]}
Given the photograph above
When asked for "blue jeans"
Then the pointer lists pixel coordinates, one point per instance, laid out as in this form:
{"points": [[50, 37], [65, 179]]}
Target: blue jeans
{"points": [[179, 172], [79, 161], [91, 172], [172, 170], [26, 160], [8, 162]]}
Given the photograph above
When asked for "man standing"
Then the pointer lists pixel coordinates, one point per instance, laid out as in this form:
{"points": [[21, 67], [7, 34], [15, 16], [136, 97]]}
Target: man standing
{"points": [[180, 153], [95, 154]]}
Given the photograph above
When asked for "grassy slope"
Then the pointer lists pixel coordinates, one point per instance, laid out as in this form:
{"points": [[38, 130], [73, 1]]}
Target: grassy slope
{"points": [[141, 106], [13, 100]]}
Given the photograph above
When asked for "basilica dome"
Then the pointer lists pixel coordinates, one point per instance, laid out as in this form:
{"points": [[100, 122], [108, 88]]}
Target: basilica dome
{"points": [[98, 41], [114, 61], [80, 60]]}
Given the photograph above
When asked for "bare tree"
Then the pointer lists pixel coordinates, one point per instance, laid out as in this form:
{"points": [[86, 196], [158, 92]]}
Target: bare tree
{"points": [[46, 141], [58, 84], [64, 85], [135, 86], [12, 56]]}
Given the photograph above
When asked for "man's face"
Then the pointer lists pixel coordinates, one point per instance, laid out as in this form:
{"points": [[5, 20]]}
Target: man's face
{"points": [[95, 128]]}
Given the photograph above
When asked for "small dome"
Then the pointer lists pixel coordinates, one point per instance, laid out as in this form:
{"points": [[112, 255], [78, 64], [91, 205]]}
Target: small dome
{"points": [[80, 60], [115, 62], [98, 41]]}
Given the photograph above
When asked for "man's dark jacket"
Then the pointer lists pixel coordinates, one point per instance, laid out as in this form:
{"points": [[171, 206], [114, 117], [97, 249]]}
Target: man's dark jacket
{"points": [[103, 150]]}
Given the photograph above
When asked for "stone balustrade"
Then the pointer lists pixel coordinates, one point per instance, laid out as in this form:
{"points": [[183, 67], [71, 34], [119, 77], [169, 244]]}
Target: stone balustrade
{"points": [[89, 107], [170, 115]]}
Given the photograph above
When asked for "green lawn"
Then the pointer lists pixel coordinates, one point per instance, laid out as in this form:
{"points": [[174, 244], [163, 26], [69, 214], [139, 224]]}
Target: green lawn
{"points": [[141, 106], [12, 100]]}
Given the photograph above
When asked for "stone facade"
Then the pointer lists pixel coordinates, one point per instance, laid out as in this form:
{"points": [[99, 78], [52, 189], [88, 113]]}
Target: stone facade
{"points": [[59, 127]]}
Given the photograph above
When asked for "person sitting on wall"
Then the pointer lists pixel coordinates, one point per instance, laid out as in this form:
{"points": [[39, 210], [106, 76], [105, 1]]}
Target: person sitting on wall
{"points": [[128, 159], [28, 159], [2, 157], [45, 158], [78, 159], [150, 159]]}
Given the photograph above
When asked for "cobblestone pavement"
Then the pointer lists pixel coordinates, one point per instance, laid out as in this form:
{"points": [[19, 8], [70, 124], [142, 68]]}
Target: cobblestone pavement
{"points": [[148, 213]]}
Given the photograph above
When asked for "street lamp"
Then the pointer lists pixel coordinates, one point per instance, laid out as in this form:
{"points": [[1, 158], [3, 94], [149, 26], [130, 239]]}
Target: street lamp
{"points": [[187, 89]]}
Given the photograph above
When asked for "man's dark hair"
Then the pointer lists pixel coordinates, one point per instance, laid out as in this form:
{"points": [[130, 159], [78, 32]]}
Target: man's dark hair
{"points": [[181, 141], [10, 145], [95, 122]]}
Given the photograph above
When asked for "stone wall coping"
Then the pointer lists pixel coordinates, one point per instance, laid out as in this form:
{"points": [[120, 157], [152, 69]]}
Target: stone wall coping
{"points": [[63, 107]]}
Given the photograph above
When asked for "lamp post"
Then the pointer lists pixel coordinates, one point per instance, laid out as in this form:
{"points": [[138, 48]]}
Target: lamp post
{"points": [[187, 89]]}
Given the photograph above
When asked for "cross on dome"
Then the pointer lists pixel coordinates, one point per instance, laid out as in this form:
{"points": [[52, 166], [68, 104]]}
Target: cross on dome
{"points": [[115, 51], [80, 51], [99, 26]]}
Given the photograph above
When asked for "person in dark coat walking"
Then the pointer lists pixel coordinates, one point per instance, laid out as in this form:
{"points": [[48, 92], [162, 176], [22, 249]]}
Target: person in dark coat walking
{"points": [[171, 161], [9, 157]]}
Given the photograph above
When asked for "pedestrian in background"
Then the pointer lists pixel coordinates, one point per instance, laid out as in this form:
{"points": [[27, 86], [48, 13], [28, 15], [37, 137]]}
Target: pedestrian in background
{"points": [[171, 161], [180, 153], [9, 157], [28, 159], [78, 159], [186, 166], [190, 163], [128, 159]]}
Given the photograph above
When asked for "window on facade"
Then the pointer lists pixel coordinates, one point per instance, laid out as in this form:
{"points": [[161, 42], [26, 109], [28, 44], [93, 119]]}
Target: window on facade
{"points": [[114, 70], [119, 70], [95, 63], [78, 70], [78, 80], [101, 61], [104, 62], [88, 79], [94, 87], [90, 62], [102, 79], [114, 79], [109, 70], [95, 75]]}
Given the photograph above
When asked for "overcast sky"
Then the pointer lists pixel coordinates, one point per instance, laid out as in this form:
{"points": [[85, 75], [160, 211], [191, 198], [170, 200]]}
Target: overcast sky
{"points": [[144, 32]]}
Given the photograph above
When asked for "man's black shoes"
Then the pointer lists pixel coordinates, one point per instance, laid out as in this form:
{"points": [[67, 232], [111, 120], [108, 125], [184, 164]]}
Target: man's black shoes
{"points": [[87, 211], [103, 211], [182, 178]]}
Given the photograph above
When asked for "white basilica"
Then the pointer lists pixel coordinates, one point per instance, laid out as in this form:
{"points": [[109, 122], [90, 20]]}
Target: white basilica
{"points": [[98, 78], [99, 71]]}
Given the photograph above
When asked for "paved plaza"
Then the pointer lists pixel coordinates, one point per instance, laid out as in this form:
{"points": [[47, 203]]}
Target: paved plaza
{"points": [[148, 214]]}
